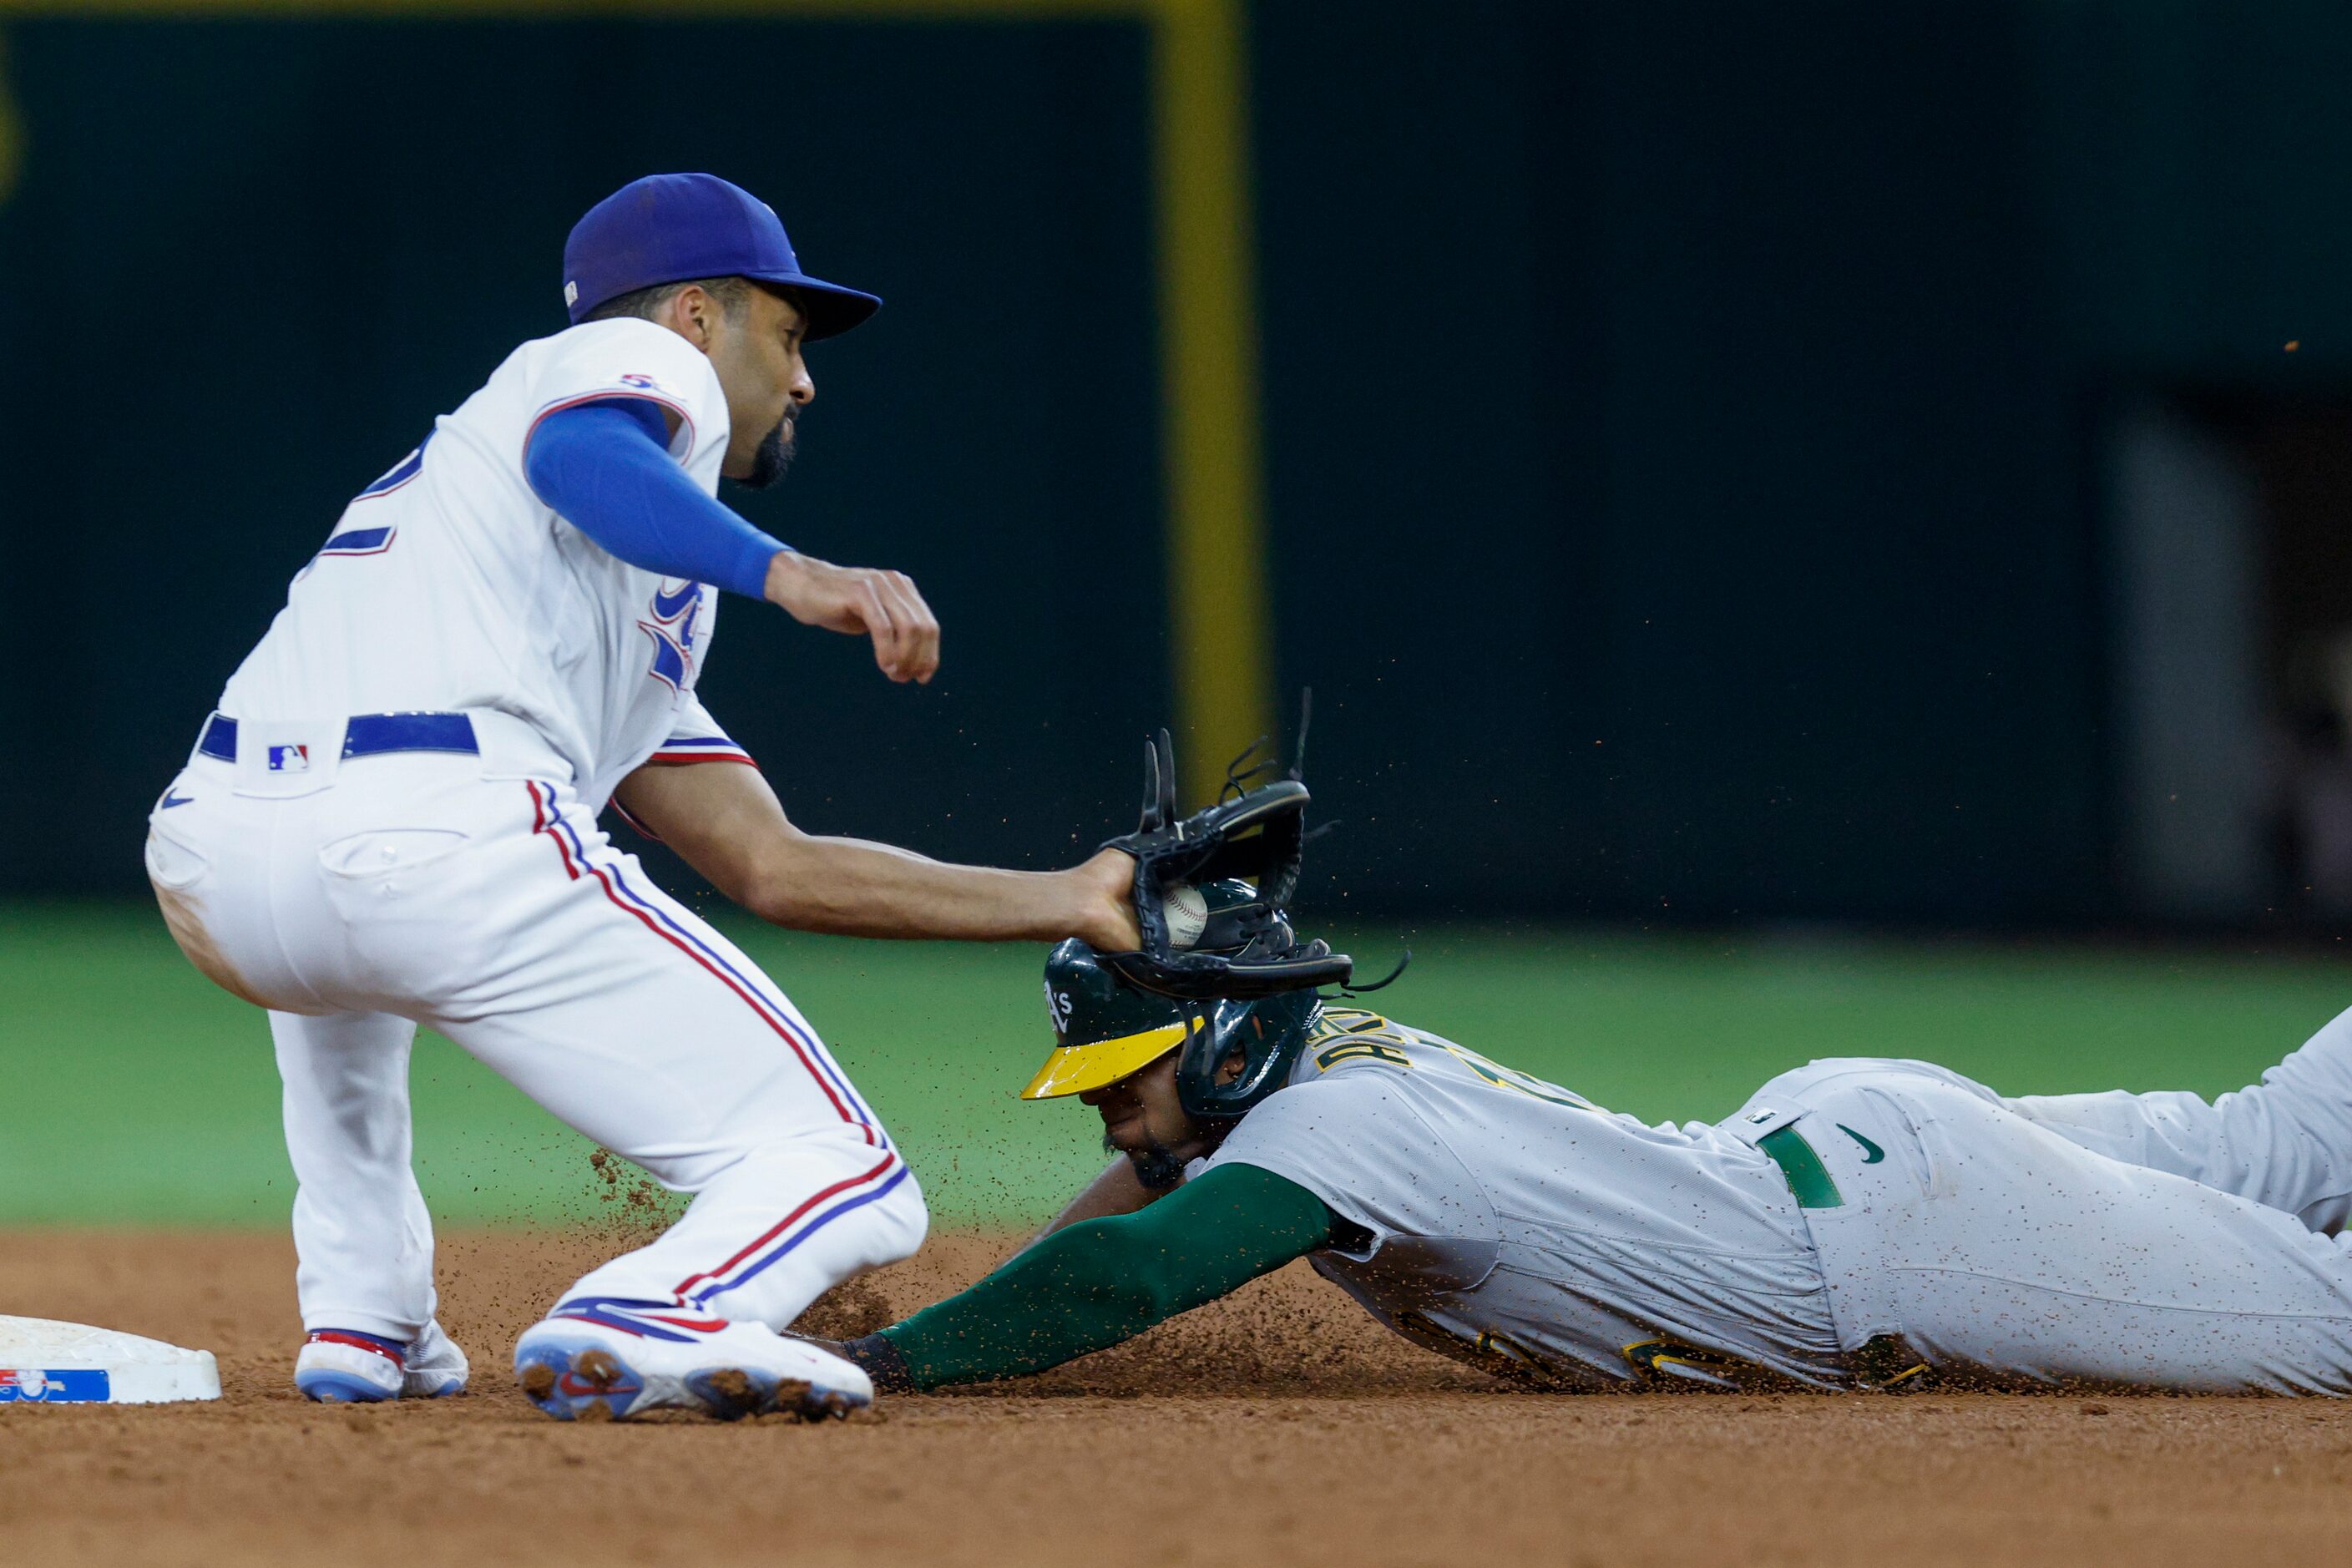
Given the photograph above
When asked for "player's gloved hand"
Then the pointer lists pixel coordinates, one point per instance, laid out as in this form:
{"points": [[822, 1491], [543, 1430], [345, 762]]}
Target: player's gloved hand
{"points": [[883, 604], [1255, 833]]}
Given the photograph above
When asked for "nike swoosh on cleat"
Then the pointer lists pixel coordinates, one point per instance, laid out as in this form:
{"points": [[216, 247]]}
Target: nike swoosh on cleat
{"points": [[171, 800], [1872, 1152]]}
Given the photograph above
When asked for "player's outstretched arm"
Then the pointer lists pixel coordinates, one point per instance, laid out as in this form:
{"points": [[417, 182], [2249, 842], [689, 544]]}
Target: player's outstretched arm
{"points": [[1102, 1281], [1116, 1192], [727, 824]]}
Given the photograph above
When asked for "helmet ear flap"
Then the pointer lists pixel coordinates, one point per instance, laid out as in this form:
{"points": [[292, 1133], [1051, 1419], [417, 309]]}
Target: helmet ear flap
{"points": [[1205, 1049], [1267, 1033]]}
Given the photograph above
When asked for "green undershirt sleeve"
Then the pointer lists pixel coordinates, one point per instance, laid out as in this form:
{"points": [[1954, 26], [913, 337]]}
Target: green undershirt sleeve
{"points": [[1104, 1280]]}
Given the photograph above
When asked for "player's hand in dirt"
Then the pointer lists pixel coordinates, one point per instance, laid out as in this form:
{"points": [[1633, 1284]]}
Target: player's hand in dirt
{"points": [[883, 604], [878, 1355], [1106, 919], [880, 1358]]}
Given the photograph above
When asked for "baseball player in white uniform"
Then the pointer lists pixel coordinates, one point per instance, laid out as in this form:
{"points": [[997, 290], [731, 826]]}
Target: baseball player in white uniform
{"points": [[392, 820], [1859, 1224]]}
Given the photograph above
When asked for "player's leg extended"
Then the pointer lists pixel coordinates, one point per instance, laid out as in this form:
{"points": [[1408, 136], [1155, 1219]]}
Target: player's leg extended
{"points": [[252, 918], [362, 1233], [1991, 1242], [633, 1021], [361, 1230], [2286, 1142]]}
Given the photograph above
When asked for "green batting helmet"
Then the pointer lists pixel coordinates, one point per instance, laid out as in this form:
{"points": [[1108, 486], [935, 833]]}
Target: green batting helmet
{"points": [[1106, 1028]]}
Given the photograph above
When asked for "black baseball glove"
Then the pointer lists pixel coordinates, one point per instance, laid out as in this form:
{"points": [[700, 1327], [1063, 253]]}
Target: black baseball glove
{"points": [[1257, 835]]}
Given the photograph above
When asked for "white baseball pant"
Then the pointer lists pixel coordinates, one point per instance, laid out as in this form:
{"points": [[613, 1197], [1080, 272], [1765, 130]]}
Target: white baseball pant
{"points": [[2151, 1241], [478, 897]]}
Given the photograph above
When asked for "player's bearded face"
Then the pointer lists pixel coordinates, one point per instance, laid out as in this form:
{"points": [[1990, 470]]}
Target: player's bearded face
{"points": [[775, 453], [756, 352], [1144, 1119]]}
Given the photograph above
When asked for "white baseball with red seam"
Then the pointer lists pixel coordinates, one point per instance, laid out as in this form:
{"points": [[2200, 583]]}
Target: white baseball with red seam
{"points": [[1188, 914]]}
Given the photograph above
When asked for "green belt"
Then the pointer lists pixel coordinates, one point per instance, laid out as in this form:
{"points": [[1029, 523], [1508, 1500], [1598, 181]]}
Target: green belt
{"points": [[1808, 1177], [1886, 1363]]}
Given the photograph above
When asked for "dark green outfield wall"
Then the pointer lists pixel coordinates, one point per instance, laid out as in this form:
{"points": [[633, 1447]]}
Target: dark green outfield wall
{"points": [[249, 262], [1685, 420], [1681, 418]]}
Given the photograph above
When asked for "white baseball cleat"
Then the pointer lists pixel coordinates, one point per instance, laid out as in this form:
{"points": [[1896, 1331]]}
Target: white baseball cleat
{"points": [[600, 1359], [341, 1366], [435, 1367]]}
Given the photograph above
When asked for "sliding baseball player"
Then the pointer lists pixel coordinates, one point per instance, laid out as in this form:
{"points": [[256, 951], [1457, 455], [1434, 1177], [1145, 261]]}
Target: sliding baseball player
{"points": [[1858, 1224]]}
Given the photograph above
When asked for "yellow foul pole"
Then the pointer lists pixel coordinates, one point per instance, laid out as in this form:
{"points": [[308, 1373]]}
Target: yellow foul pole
{"points": [[1219, 608], [12, 131]]}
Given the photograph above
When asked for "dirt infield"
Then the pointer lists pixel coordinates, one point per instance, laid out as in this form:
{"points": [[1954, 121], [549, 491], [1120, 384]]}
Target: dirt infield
{"points": [[1278, 1427]]}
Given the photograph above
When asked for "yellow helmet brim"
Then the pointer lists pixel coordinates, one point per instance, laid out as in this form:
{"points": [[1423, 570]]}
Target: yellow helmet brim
{"points": [[1073, 1070]]}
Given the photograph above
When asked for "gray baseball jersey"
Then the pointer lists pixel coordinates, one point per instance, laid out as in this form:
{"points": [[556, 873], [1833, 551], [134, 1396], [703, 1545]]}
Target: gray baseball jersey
{"points": [[1513, 1225], [2149, 1240]]}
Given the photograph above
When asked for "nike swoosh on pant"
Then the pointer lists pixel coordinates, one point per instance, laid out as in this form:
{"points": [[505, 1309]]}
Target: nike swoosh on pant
{"points": [[1872, 1152]]}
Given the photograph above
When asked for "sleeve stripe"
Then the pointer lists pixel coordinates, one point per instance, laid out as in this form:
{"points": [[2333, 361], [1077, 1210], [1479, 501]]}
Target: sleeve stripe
{"points": [[615, 395], [700, 749]]}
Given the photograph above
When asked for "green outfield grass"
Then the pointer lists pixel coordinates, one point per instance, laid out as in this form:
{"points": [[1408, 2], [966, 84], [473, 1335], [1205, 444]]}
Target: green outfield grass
{"points": [[133, 1092]]}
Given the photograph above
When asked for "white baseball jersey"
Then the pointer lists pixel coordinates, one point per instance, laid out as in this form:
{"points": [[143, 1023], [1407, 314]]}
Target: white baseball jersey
{"points": [[1510, 1223], [449, 584]]}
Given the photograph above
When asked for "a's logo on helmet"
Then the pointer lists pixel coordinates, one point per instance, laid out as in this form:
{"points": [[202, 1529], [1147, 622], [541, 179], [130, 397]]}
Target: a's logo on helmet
{"points": [[1057, 1008]]}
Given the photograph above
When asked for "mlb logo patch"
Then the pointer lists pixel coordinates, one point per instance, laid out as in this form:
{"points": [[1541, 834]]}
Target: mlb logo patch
{"points": [[642, 381], [31, 1385], [289, 759]]}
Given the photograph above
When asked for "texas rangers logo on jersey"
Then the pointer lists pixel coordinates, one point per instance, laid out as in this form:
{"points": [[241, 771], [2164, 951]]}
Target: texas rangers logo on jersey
{"points": [[672, 629]]}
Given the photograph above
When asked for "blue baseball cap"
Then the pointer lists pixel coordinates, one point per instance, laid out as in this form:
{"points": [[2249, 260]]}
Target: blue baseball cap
{"points": [[671, 228]]}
